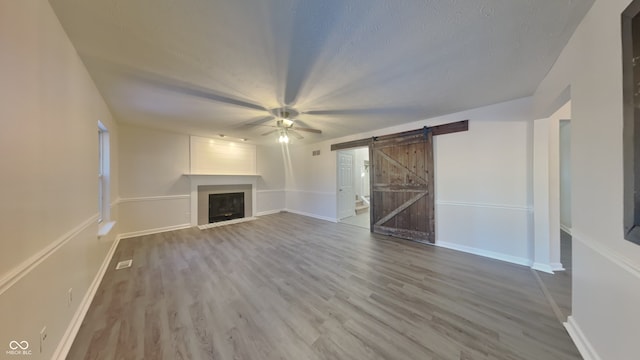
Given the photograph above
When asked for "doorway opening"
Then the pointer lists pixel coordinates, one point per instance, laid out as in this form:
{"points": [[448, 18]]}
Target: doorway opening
{"points": [[565, 194], [556, 245], [401, 170], [353, 187]]}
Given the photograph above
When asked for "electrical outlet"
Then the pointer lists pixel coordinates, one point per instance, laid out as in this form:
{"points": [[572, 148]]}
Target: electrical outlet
{"points": [[43, 337], [70, 297]]}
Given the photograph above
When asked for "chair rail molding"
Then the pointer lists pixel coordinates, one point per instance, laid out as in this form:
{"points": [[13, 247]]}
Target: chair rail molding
{"points": [[18, 272], [153, 198]]}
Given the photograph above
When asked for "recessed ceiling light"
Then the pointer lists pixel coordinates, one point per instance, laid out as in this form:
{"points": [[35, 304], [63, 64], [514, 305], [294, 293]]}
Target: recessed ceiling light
{"points": [[222, 135]]}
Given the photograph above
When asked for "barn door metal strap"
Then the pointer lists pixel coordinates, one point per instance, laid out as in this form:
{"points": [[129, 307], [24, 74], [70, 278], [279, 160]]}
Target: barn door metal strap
{"points": [[399, 209]]}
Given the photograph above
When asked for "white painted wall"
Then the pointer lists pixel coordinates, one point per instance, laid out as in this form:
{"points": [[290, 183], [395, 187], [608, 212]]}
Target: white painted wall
{"points": [[565, 175], [606, 268], [155, 193], [311, 181], [217, 156], [482, 180], [271, 183], [49, 144]]}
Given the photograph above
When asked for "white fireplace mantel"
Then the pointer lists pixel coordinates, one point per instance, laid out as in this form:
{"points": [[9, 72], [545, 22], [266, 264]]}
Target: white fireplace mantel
{"points": [[220, 179]]}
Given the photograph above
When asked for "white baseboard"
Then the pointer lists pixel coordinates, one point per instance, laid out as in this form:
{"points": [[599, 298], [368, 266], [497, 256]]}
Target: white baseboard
{"points": [[547, 268], [565, 229], [485, 253], [334, 220], [223, 223], [557, 267], [269, 212], [582, 343], [72, 330], [154, 231]]}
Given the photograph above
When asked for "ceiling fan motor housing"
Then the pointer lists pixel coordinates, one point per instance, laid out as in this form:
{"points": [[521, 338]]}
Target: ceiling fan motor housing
{"points": [[284, 123], [284, 113]]}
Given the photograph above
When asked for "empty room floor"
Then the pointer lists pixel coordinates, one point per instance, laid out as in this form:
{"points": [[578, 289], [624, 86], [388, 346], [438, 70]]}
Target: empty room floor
{"points": [[361, 220], [291, 287]]}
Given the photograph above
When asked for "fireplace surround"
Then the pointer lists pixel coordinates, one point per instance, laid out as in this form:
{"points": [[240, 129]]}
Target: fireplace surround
{"points": [[203, 184]]}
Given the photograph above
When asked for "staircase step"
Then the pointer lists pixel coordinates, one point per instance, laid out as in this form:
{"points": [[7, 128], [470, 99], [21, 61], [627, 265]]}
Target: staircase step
{"points": [[362, 209]]}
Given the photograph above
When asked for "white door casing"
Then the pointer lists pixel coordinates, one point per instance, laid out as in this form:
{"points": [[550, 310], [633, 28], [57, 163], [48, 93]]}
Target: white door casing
{"points": [[346, 195]]}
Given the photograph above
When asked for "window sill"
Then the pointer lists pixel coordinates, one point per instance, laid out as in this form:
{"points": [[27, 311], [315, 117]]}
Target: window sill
{"points": [[104, 228]]}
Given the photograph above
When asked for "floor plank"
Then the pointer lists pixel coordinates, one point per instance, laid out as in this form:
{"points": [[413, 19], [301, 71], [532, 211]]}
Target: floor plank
{"points": [[287, 286]]}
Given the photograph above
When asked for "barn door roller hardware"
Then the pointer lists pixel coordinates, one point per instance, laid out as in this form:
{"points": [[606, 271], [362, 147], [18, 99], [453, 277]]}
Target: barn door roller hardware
{"points": [[425, 132]]}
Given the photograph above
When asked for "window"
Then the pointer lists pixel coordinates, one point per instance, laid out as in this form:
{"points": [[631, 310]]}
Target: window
{"points": [[104, 206], [631, 114]]}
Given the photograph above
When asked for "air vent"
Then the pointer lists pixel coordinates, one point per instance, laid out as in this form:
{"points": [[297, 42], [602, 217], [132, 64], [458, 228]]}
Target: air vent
{"points": [[124, 264], [315, 152]]}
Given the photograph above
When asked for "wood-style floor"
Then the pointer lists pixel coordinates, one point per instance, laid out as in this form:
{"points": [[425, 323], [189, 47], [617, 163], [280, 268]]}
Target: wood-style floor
{"points": [[558, 285], [291, 287]]}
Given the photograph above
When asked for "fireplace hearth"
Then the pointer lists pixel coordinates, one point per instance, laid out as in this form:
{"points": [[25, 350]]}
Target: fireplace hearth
{"points": [[227, 206]]}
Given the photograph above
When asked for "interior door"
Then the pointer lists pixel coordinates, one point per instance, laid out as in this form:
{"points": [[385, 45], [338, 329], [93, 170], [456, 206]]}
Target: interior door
{"points": [[402, 201], [346, 194]]}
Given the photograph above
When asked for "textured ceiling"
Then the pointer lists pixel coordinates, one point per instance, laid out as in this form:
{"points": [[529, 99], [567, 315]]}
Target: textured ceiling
{"points": [[213, 66]]}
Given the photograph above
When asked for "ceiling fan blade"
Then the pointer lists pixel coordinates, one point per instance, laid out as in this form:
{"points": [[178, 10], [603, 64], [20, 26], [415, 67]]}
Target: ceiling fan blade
{"points": [[202, 92], [330, 112], [270, 132], [308, 44], [176, 85], [301, 123], [395, 111], [295, 134], [259, 122], [315, 131]]}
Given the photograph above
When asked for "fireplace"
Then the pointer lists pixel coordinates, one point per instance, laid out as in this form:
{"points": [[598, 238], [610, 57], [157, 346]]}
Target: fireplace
{"points": [[204, 185], [227, 206]]}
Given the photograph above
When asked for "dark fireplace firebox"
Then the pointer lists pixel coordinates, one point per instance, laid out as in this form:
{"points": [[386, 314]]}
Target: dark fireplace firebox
{"points": [[227, 206]]}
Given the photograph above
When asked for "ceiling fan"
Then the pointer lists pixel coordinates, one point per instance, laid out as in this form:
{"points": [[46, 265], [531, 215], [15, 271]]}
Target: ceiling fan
{"points": [[287, 119], [285, 124]]}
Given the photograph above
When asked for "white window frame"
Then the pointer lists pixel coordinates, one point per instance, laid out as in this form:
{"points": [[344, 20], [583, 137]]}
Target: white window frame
{"points": [[104, 206]]}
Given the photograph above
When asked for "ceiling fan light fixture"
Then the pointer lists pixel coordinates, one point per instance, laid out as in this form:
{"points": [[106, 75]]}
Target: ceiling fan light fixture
{"points": [[283, 139]]}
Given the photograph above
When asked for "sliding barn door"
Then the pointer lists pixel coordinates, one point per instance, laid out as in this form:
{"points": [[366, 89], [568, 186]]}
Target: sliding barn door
{"points": [[402, 187]]}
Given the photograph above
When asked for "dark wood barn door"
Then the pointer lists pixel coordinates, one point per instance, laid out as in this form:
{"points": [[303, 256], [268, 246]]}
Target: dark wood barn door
{"points": [[402, 196]]}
